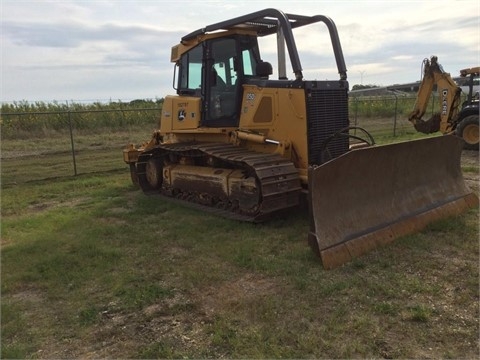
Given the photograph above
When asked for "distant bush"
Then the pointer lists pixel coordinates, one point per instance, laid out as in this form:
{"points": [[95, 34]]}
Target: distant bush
{"points": [[29, 120], [387, 106], [24, 120], [381, 106]]}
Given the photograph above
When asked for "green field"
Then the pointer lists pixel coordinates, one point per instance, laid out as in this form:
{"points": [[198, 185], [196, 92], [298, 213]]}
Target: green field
{"points": [[93, 268]]}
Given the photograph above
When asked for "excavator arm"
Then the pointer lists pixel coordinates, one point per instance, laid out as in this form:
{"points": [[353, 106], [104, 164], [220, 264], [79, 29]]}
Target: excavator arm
{"points": [[449, 99]]}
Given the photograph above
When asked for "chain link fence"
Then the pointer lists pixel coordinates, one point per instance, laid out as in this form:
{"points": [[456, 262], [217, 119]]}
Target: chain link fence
{"points": [[53, 144], [386, 116]]}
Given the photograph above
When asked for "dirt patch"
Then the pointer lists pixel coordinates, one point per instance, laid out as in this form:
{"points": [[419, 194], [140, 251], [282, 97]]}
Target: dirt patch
{"points": [[5, 242], [29, 295], [471, 174], [182, 321], [52, 204], [20, 154], [175, 321], [245, 289], [470, 157]]}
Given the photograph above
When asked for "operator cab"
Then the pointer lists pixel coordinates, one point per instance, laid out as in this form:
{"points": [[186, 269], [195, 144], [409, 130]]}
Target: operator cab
{"points": [[215, 71]]}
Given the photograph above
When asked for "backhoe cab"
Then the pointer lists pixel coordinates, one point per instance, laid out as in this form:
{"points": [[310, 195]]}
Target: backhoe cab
{"points": [[241, 144]]}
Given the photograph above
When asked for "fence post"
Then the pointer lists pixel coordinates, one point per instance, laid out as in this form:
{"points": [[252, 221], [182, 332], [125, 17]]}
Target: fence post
{"points": [[355, 116], [71, 140], [395, 117]]}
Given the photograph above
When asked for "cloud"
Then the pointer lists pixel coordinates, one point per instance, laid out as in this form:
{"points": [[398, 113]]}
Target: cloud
{"points": [[75, 48], [75, 44], [73, 34]]}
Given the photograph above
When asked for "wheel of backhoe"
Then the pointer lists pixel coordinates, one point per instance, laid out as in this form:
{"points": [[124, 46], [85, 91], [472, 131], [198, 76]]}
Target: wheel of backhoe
{"points": [[469, 132], [153, 173]]}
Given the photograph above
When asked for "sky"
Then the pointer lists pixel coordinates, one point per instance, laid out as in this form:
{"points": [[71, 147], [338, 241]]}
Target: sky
{"points": [[98, 50]]}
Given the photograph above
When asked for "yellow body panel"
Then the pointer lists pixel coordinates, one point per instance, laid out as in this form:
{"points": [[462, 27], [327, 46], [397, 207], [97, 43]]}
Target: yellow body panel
{"points": [[180, 113], [178, 50], [278, 114], [180, 122], [272, 113]]}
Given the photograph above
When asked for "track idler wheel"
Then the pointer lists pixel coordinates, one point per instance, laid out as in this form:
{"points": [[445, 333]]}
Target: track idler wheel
{"points": [[153, 173], [133, 175]]}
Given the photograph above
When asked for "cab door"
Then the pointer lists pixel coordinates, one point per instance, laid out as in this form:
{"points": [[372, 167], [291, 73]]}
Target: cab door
{"points": [[221, 83]]}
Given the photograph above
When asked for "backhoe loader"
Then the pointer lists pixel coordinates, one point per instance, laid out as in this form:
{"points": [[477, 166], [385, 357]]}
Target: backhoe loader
{"points": [[452, 117], [241, 144]]}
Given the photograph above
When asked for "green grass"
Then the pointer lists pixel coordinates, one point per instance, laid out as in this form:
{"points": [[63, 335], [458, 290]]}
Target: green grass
{"points": [[52, 157], [92, 267]]}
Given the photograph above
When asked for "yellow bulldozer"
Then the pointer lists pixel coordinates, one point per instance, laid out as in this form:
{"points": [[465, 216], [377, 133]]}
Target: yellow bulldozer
{"points": [[239, 143]]}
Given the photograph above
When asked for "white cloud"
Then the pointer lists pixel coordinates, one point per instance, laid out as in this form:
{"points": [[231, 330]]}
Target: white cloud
{"points": [[121, 49]]}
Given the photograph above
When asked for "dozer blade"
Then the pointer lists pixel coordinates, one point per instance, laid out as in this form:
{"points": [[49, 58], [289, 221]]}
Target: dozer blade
{"points": [[370, 196]]}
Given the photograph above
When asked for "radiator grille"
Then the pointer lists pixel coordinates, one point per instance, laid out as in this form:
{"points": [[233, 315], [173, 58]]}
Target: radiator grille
{"points": [[327, 113]]}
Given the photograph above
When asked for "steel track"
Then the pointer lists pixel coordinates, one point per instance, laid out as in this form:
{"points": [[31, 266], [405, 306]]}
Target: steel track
{"points": [[276, 177]]}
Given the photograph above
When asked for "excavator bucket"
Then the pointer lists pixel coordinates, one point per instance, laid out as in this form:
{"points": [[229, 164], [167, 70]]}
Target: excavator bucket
{"points": [[370, 196]]}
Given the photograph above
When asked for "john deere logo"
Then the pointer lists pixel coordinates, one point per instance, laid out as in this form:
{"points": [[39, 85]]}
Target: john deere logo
{"points": [[181, 115]]}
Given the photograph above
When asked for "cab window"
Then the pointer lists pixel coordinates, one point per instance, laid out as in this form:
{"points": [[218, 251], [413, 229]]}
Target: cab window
{"points": [[191, 70]]}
